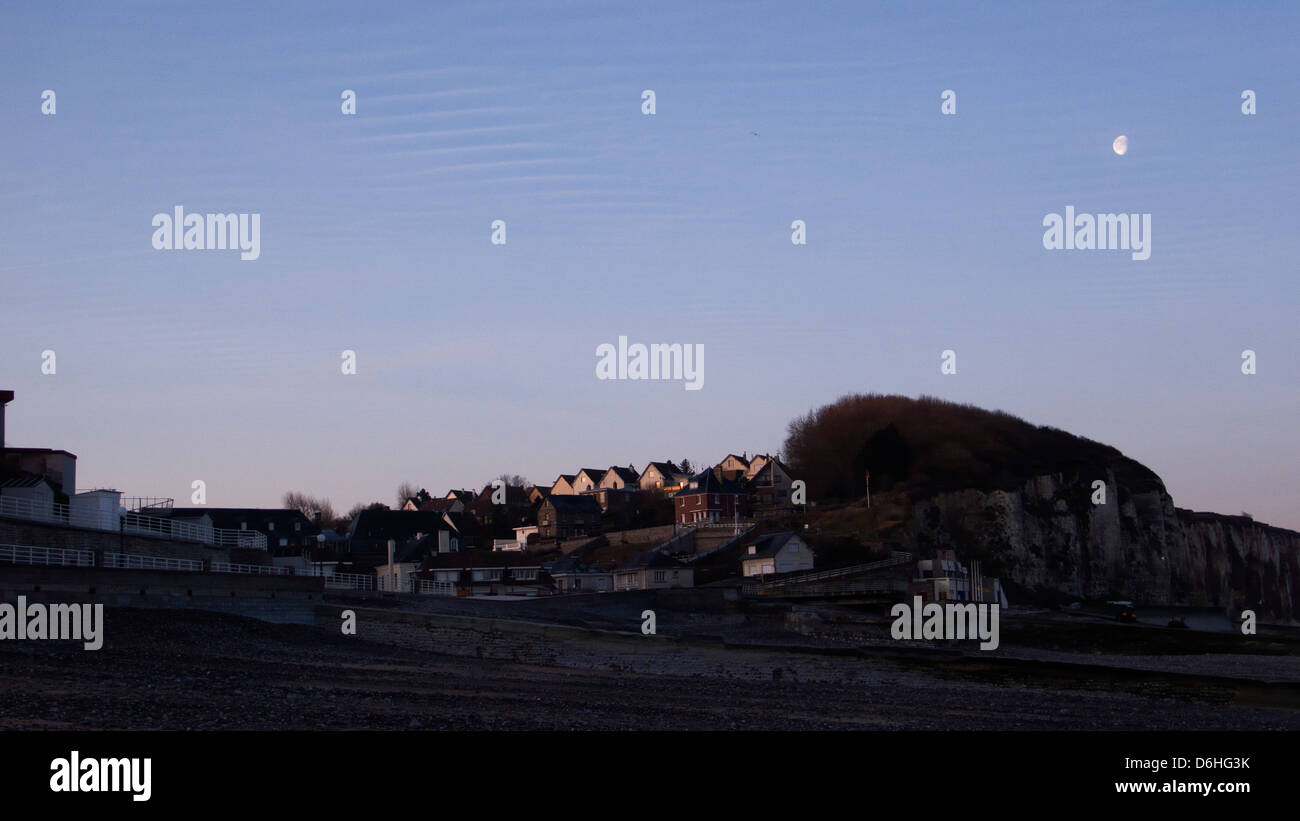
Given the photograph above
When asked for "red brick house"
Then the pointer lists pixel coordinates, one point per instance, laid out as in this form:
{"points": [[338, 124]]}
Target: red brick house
{"points": [[707, 498]]}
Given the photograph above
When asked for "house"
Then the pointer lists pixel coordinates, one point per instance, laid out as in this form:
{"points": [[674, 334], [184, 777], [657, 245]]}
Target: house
{"points": [[287, 531], [58, 467], [664, 476], [572, 575], [587, 480], [514, 507], [536, 495], [707, 498], [617, 478], [565, 517], [756, 464], [615, 499], [483, 572], [403, 562], [30, 495], [943, 578], [418, 501], [733, 467], [373, 529], [519, 542], [653, 570], [776, 553], [563, 485], [770, 484]]}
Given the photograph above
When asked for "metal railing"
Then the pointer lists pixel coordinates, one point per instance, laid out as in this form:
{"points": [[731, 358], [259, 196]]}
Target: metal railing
{"points": [[896, 558], [350, 581], [251, 569], [25, 554], [428, 588], [131, 561], [138, 504], [55, 513]]}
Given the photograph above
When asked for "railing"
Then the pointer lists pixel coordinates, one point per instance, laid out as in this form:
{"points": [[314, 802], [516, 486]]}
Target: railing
{"points": [[135, 523], [428, 588], [24, 554], [350, 581], [830, 588], [130, 561], [251, 569], [896, 558], [137, 504]]}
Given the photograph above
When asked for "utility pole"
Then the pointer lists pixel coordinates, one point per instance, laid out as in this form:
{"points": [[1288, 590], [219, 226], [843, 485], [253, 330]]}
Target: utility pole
{"points": [[868, 489]]}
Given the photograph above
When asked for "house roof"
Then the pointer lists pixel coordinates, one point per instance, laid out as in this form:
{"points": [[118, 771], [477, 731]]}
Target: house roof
{"points": [[568, 477], [396, 524], [767, 468], [257, 518], [708, 482], [768, 546], [12, 449], [573, 504], [516, 496], [594, 474], [21, 479], [626, 474], [665, 468], [740, 459]]}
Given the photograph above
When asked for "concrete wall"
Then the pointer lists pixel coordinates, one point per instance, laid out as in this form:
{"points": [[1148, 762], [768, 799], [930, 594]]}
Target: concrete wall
{"points": [[36, 534], [645, 535], [278, 599]]}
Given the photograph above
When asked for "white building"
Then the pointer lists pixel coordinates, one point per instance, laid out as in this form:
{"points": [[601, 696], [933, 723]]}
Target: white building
{"points": [[777, 553]]}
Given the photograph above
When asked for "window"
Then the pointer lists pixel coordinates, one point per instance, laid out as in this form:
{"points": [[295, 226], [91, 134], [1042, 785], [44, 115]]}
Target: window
{"points": [[297, 526], [660, 576], [284, 543], [270, 525]]}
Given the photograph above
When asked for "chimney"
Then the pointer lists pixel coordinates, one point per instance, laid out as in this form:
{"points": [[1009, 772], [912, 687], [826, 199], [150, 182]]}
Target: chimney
{"points": [[5, 398]]}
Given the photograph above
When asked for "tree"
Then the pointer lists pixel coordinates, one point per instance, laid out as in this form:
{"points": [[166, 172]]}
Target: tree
{"points": [[513, 480], [406, 490], [310, 506], [686, 467]]}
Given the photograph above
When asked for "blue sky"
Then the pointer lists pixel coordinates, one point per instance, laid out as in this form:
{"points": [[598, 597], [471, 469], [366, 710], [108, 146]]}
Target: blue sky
{"points": [[924, 234]]}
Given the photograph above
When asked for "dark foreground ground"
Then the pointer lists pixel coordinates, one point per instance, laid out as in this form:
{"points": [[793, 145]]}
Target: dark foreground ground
{"points": [[196, 670]]}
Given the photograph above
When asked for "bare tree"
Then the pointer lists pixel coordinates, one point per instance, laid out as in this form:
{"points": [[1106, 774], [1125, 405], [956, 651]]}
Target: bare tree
{"points": [[406, 490], [513, 480], [310, 506]]}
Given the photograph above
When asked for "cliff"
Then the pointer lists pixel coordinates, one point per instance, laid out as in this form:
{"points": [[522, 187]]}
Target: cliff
{"points": [[1048, 538], [1019, 498]]}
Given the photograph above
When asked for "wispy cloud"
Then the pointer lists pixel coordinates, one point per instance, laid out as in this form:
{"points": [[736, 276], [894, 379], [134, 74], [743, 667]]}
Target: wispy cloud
{"points": [[449, 132]]}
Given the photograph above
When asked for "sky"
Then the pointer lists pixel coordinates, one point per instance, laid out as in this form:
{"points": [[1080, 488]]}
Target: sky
{"points": [[924, 234]]}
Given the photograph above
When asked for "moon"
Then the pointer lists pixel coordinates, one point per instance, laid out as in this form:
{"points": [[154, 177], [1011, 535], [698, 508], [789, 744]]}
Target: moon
{"points": [[1120, 145]]}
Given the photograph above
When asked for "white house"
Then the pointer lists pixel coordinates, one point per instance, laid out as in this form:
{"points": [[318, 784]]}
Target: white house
{"points": [[776, 553]]}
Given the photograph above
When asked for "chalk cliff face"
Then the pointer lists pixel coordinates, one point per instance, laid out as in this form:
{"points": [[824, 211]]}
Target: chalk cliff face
{"points": [[1047, 536]]}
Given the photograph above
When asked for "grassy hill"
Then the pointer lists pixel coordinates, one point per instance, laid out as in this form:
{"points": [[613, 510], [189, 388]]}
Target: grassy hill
{"points": [[918, 447]]}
